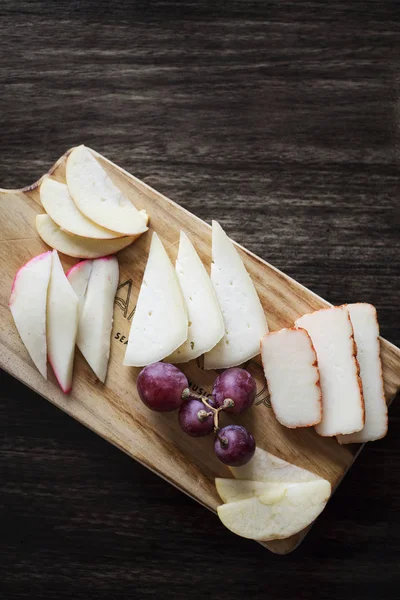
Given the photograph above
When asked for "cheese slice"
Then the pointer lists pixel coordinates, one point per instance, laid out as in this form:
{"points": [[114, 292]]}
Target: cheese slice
{"points": [[243, 314], [366, 334], [331, 332], [206, 325], [159, 325], [97, 197], [57, 202], [291, 371], [271, 469]]}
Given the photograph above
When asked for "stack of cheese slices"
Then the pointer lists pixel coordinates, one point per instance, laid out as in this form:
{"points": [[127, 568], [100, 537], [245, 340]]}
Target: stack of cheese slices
{"points": [[88, 216], [182, 314], [327, 372]]}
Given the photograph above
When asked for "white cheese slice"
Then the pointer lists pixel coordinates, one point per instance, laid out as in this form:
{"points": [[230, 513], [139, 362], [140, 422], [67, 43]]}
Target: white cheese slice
{"points": [[78, 276], [271, 469], [243, 314], [159, 325], [291, 371], [366, 334], [97, 197], [57, 202], [206, 325], [96, 318], [331, 332]]}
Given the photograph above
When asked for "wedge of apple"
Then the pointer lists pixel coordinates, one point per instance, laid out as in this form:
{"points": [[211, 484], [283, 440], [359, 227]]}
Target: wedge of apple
{"points": [[62, 324], [28, 302], [74, 245], [233, 490], [97, 197], [269, 468], [58, 204], [96, 317], [272, 516], [78, 276]]}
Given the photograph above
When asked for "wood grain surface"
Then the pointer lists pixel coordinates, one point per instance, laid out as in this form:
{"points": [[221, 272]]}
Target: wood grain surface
{"points": [[280, 119]]}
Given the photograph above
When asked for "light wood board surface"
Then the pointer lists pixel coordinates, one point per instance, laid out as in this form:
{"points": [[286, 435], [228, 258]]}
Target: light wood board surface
{"points": [[113, 410]]}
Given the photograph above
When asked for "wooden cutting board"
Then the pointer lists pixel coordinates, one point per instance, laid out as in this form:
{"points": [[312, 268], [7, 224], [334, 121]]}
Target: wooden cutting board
{"points": [[113, 410]]}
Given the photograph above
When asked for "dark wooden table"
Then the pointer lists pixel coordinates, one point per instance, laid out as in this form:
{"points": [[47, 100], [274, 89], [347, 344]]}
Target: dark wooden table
{"points": [[281, 120]]}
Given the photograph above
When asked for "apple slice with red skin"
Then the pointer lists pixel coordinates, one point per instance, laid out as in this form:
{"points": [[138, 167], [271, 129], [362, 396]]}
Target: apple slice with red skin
{"points": [[28, 307], [95, 285], [62, 324]]}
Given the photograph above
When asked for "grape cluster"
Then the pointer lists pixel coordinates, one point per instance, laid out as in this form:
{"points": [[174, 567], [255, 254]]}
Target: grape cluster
{"points": [[163, 387]]}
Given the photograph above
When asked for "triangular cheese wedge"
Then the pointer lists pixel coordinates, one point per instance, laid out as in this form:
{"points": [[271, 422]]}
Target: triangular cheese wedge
{"points": [[57, 202], [62, 324], [269, 468], [206, 325], [159, 325], [97, 197], [28, 307], [243, 314]]}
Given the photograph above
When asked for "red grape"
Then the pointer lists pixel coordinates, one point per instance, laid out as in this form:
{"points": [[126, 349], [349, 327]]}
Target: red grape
{"points": [[160, 386], [195, 418], [235, 384], [234, 445]]}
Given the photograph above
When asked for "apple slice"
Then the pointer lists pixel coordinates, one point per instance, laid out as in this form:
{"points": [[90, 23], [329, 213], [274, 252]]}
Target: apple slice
{"points": [[159, 325], [276, 516], [232, 490], [74, 245], [96, 319], [28, 307], [62, 324], [206, 325], [97, 197], [78, 276], [243, 314], [58, 204], [269, 468]]}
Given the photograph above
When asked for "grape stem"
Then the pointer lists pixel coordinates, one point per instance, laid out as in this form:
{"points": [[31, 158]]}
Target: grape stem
{"points": [[228, 403], [202, 414]]}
